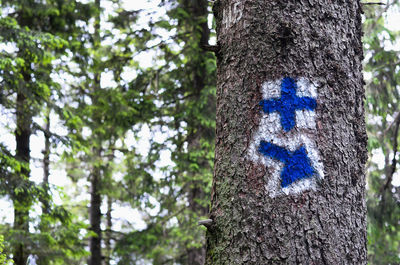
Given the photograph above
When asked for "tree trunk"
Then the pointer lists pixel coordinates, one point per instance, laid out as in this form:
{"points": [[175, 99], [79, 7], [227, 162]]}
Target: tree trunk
{"points": [[95, 218], [46, 165], [289, 178], [95, 178], [196, 256], [197, 131], [43, 258], [22, 199], [46, 162], [108, 231]]}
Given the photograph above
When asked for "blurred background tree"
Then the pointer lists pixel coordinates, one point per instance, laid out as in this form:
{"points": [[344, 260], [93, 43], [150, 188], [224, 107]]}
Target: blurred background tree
{"points": [[382, 76], [35, 31], [185, 84]]}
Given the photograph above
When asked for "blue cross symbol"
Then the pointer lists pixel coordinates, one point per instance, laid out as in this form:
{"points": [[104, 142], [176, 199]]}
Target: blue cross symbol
{"points": [[288, 103], [297, 164]]}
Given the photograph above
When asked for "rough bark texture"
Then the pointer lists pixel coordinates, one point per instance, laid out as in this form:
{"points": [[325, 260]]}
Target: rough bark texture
{"points": [[260, 41]]}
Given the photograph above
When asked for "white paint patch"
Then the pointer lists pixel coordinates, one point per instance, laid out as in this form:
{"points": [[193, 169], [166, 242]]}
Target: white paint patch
{"points": [[303, 134], [305, 88], [232, 14], [305, 119]]}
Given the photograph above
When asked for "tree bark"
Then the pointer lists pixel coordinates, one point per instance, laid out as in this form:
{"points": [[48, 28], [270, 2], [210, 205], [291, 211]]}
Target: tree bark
{"points": [[263, 41]]}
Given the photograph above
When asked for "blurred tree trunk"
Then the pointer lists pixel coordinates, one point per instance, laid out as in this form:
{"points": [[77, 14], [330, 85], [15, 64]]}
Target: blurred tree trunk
{"points": [[265, 41], [43, 258], [197, 131], [46, 166], [22, 199], [107, 240], [95, 216], [46, 163], [382, 103], [95, 176]]}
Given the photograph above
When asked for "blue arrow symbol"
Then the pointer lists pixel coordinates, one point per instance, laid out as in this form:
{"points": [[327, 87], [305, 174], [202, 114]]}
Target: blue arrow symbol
{"points": [[297, 164]]}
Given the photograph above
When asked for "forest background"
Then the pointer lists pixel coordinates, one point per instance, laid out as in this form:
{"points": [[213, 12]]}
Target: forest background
{"points": [[107, 130]]}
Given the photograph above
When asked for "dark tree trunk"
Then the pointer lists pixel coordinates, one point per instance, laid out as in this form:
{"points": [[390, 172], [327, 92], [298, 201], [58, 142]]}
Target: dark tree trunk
{"points": [[95, 178], [108, 231], [22, 199], [265, 45], [196, 256], [43, 258], [46, 164], [196, 194], [95, 218]]}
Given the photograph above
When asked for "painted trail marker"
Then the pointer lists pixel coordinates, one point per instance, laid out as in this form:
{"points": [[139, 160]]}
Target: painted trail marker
{"points": [[285, 140], [288, 103], [297, 164]]}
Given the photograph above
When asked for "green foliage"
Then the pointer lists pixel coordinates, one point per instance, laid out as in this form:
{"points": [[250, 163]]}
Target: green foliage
{"points": [[99, 117], [383, 120], [138, 245], [185, 84], [3, 257], [34, 33]]}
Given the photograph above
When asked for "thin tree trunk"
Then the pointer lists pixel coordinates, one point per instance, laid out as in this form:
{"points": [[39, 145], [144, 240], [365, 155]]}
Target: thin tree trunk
{"points": [[108, 229], [95, 178], [196, 256], [267, 207], [22, 199], [95, 218], [46, 163], [43, 258]]}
